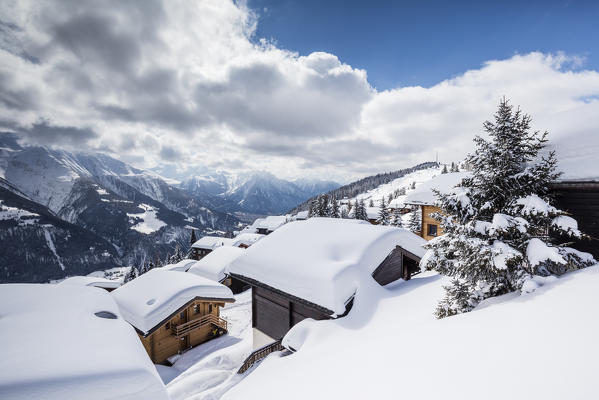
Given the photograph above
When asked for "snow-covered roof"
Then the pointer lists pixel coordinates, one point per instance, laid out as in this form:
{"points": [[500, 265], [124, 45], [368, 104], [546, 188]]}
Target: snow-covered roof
{"points": [[182, 265], [213, 265], [212, 242], [91, 281], [272, 222], [247, 239], [373, 212], [424, 195], [149, 299], [303, 215], [54, 346], [319, 259]]}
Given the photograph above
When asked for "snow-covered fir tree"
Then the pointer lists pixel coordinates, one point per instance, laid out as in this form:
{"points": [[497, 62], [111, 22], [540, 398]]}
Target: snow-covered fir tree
{"points": [[371, 203], [444, 171], [396, 218], [499, 224], [334, 208], [415, 221], [360, 210], [131, 274], [322, 206], [193, 239], [384, 217], [312, 207]]}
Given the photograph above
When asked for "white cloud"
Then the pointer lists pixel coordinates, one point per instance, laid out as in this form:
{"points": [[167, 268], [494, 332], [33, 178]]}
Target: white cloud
{"points": [[186, 83]]}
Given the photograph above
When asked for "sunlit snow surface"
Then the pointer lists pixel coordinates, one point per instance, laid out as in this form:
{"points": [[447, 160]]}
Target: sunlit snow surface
{"points": [[540, 345], [210, 369], [147, 221]]}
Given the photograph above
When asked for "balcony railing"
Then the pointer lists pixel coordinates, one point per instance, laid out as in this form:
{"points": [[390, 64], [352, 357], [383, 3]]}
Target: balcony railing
{"points": [[210, 319]]}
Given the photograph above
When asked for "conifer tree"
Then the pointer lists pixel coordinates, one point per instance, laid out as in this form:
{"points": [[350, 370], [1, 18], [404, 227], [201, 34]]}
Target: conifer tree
{"points": [[444, 171], [415, 221], [334, 208], [383, 218], [131, 274], [498, 223], [396, 219], [193, 239], [371, 203], [360, 211], [312, 208]]}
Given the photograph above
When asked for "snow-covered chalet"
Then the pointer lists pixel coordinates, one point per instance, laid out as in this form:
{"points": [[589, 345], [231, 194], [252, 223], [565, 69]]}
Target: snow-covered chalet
{"points": [[173, 311]]}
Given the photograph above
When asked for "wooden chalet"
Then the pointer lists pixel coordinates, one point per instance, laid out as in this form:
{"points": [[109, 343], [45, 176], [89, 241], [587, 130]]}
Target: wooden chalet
{"points": [[173, 311], [205, 245], [266, 226], [424, 197], [580, 198], [213, 267], [303, 269]]}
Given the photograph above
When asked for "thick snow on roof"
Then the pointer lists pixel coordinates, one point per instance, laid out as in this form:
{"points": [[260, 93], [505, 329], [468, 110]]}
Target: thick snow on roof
{"points": [[272, 222], [55, 347], [91, 281], [319, 259], [154, 296], [182, 265], [424, 195], [393, 331], [577, 155], [302, 215], [212, 242], [213, 265], [247, 239]]}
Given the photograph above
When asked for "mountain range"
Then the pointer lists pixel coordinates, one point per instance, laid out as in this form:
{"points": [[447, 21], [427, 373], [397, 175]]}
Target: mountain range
{"points": [[70, 213]]}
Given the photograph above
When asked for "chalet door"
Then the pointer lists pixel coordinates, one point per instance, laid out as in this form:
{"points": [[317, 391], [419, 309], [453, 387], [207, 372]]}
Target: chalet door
{"points": [[270, 317], [184, 341]]}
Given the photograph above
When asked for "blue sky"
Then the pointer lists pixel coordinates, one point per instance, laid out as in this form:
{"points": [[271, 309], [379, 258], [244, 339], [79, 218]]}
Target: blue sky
{"points": [[424, 42]]}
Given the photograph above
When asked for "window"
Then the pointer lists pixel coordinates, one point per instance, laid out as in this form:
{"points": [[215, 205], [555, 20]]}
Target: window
{"points": [[432, 230], [196, 308], [167, 326], [182, 315], [210, 309]]}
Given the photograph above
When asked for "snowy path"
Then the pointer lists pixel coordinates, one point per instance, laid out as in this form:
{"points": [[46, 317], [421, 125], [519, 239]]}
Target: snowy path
{"points": [[209, 370]]}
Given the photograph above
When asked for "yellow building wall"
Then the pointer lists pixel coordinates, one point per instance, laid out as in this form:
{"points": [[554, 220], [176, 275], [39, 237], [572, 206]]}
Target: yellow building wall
{"points": [[428, 220]]}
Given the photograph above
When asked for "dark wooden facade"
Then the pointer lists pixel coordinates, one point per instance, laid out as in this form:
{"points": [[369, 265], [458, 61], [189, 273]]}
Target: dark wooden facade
{"points": [[197, 254], [581, 200], [274, 312]]}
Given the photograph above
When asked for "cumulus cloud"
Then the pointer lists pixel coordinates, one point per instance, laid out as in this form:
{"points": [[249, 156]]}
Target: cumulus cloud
{"points": [[186, 85]]}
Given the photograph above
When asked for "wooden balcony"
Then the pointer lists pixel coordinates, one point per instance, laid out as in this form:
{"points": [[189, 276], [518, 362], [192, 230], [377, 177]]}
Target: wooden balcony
{"points": [[183, 329]]}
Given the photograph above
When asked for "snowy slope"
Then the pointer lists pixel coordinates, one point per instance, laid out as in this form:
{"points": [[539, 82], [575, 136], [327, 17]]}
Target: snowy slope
{"points": [[541, 345]]}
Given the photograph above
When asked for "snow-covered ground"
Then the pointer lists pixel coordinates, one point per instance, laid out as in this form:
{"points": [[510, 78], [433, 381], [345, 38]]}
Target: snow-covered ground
{"points": [[209, 370], [417, 177], [147, 221], [22, 217], [540, 345]]}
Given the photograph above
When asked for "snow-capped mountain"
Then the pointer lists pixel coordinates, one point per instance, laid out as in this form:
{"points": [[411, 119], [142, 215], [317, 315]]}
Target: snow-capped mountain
{"points": [[38, 246], [256, 193], [138, 213]]}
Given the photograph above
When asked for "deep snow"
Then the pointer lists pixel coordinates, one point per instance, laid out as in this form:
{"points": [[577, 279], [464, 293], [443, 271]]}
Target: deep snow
{"points": [[540, 345]]}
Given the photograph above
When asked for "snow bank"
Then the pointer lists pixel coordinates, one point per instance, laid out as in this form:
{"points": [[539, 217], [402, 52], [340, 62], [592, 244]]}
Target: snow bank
{"points": [[213, 265], [424, 195], [91, 281], [54, 346], [533, 346], [154, 296], [321, 259]]}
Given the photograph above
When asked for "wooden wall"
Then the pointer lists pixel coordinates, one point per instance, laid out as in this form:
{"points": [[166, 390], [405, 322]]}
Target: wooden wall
{"points": [[275, 314], [398, 264], [428, 220], [162, 343], [581, 200]]}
